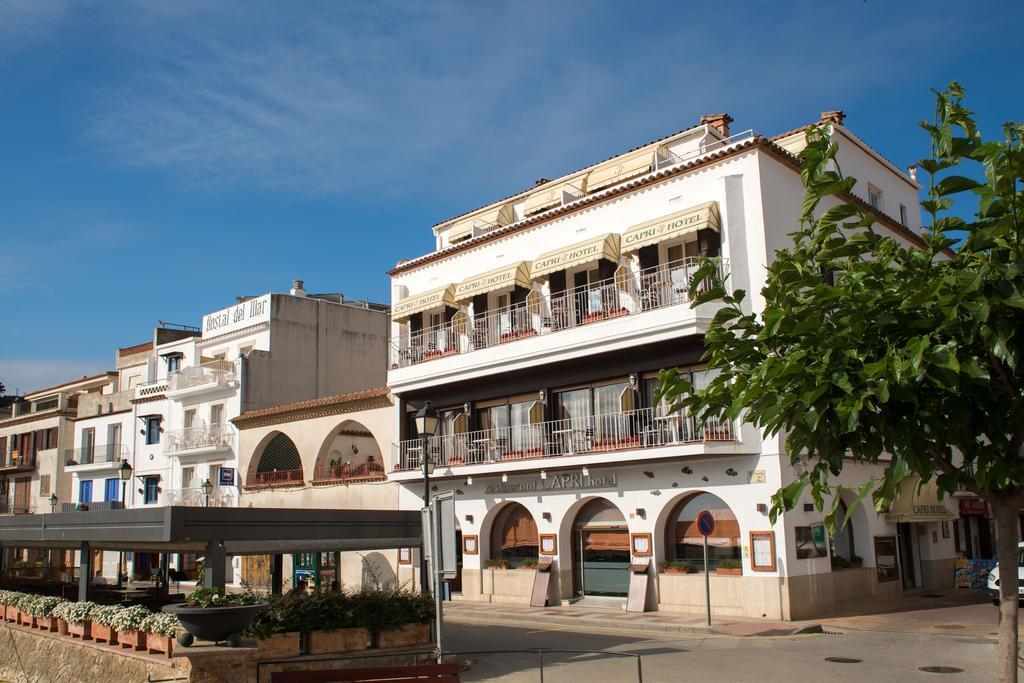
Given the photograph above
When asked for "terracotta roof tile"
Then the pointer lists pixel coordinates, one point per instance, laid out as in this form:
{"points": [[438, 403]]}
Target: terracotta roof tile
{"points": [[339, 403]]}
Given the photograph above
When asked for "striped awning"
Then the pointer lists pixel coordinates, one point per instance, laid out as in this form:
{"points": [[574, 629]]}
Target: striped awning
{"points": [[551, 195], [506, 276], [491, 218], [676, 225], [619, 169], [435, 298], [606, 246], [916, 503]]}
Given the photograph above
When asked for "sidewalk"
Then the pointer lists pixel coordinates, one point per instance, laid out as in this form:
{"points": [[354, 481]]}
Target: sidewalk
{"points": [[609, 619], [965, 613]]}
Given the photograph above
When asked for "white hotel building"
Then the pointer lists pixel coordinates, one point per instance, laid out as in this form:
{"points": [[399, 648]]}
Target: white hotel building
{"points": [[536, 329]]}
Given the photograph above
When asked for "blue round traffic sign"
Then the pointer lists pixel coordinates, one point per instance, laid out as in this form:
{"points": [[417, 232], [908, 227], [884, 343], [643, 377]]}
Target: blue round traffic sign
{"points": [[705, 523]]}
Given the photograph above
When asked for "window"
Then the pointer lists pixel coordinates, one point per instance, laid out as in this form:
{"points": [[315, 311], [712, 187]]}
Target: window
{"points": [[151, 491], [110, 489], [684, 541], [88, 444], [85, 491], [188, 477], [217, 414], [244, 351], [133, 381], [874, 197], [152, 430], [514, 535], [173, 363], [190, 418], [44, 484], [903, 215]]}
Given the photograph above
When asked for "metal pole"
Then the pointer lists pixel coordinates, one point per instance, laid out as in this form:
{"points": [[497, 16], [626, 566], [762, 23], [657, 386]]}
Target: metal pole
{"points": [[121, 566], [435, 558], [541, 653], [424, 574], [707, 579]]}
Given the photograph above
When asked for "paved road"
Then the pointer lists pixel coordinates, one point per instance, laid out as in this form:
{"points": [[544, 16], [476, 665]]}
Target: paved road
{"points": [[886, 656]]}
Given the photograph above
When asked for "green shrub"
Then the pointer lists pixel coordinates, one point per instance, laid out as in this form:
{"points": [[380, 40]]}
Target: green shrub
{"points": [[206, 597], [161, 624], [130, 618], [75, 612], [730, 564], [329, 611], [44, 605], [678, 565]]}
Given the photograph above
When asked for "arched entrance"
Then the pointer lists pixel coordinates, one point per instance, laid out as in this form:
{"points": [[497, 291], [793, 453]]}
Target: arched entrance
{"points": [[600, 551], [684, 542], [514, 536], [278, 463]]}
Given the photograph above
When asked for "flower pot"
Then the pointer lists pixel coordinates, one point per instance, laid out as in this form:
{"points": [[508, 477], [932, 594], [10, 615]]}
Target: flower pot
{"points": [[132, 639], [82, 630], [738, 571], [279, 645], [342, 640], [11, 614], [215, 623], [104, 634], [159, 644], [47, 624], [26, 619], [62, 627], [673, 570], [409, 635]]}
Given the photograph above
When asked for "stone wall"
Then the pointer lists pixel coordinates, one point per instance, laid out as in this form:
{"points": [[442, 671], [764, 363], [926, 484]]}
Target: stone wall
{"points": [[734, 596]]}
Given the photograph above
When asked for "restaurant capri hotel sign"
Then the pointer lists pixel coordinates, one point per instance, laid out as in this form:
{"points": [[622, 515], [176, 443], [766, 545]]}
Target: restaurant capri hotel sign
{"points": [[245, 314], [556, 482]]}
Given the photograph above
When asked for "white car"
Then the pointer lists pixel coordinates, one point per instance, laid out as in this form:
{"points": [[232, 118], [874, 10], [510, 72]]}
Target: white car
{"points": [[993, 577]]}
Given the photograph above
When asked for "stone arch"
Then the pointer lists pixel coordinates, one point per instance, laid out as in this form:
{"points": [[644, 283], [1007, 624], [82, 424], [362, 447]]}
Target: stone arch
{"points": [[377, 572], [487, 528], [569, 572], [276, 460], [349, 452], [726, 541], [855, 537]]}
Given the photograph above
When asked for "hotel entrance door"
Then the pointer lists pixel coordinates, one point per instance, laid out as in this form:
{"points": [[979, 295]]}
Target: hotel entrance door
{"points": [[601, 551]]}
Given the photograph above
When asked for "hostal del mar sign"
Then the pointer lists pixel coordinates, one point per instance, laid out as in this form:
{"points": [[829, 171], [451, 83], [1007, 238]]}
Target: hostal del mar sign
{"points": [[236, 317]]}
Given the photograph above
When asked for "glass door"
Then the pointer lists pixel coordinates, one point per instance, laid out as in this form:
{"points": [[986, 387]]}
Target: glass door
{"points": [[604, 562]]}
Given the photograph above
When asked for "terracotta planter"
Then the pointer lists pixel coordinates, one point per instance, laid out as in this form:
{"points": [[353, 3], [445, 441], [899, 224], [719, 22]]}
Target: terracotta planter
{"points": [[26, 619], [409, 635], [82, 630], [134, 640], [62, 627], [279, 645], [47, 624], [11, 614], [342, 640], [729, 572], [158, 644], [104, 634], [673, 570]]}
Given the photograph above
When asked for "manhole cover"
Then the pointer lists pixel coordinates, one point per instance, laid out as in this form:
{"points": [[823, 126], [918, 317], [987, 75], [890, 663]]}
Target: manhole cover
{"points": [[940, 669], [843, 660], [950, 627]]}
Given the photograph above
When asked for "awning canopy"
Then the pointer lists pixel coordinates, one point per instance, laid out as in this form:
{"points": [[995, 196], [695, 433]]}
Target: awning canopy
{"points": [[619, 169], [668, 227], [605, 246], [916, 503], [552, 194], [409, 306], [506, 276], [493, 217]]}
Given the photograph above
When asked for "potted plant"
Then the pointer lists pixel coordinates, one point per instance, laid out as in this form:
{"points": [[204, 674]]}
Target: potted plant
{"points": [[729, 567], [9, 599], [677, 567], [160, 631], [25, 604], [496, 564], [210, 614], [76, 618], [102, 620], [394, 618], [529, 563], [128, 622], [42, 609]]}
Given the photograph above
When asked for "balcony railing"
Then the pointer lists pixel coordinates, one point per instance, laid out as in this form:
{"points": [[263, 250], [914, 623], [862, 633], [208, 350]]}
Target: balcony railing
{"points": [[17, 507], [95, 506], [349, 472], [17, 462], [220, 497], [623, 295], [275, 478], [217, 374], [91, 455], [206, 436], [634, 429], [151, 389]]}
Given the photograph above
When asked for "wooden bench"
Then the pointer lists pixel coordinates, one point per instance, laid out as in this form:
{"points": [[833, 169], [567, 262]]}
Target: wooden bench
{"points": [[422, 673]]}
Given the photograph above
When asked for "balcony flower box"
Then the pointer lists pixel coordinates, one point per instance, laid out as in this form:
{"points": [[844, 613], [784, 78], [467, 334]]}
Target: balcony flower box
{"points": [[618, 313], [47, 624], [593, 318], [342, 640], [431, 355], [82, 630], [409, 635], [132, 639]]}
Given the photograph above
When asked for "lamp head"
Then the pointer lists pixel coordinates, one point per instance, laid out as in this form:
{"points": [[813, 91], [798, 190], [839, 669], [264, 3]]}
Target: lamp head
{"points": [[426, 420], [125, 471]]}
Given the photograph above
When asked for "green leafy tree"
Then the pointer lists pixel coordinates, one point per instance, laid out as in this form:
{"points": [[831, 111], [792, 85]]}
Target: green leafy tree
{"points": [[869, 350]]}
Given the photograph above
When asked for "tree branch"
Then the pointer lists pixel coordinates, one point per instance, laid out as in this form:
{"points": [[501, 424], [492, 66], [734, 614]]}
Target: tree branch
{"points": [[947, 467]]}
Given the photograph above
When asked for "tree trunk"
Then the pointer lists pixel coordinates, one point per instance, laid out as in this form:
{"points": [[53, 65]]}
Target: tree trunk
{"points": [[1006, 514]]}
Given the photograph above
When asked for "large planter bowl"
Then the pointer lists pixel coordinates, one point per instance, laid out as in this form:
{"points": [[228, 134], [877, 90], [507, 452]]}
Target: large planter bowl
{"points": [[214, 623]]}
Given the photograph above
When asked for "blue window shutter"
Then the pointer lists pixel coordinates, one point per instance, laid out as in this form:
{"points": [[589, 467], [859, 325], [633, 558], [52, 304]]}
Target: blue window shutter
{"points": [[85, 491]]}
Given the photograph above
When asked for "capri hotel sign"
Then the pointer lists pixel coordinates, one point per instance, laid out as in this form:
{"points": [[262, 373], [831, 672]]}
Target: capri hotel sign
{"points": [[556, 482], [245, 314]]}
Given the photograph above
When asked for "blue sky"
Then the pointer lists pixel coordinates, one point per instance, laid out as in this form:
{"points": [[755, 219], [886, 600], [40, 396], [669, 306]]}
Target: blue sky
{"points": [[158, 158]]}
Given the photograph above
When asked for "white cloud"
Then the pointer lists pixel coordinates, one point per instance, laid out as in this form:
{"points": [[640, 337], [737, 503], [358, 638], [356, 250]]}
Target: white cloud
{"points": [[23, 375], [27, 22]]}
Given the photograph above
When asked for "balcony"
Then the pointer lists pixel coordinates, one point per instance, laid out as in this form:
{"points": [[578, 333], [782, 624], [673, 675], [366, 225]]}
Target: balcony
{"points": [[194, 496], [275, 479], [16, 462], [622, 296], [197, 440], [630, 430], [18, 507], [199, 379], [348, 473], [151, 389], [95, 506], [95, 455]]}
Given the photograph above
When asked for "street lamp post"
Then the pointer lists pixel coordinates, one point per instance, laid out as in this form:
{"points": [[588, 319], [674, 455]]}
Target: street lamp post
{"points": [[125, 472], [53, 502], [426, 425], [207, 490]]}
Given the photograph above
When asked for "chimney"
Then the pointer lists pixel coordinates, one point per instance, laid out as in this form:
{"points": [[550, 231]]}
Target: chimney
{"points": [[297, 289], [837, 116], [912, 170], [540, 181], [718, 121]]}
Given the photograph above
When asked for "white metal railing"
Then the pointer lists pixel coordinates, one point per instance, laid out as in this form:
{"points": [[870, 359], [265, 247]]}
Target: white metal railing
{"points": [[220, 497], [205, 436], [642, 428], [714, 146], [219, 374], [629, 294]]}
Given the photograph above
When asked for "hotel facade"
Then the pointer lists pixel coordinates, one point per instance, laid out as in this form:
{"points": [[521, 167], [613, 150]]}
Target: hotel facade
{"points": [[536, 329]]}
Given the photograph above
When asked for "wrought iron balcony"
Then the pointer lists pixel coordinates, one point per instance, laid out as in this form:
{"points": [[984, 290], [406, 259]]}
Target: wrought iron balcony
{"points": [[91, 455], [623, 295], [95, 506], [214, 375], [15, 461], [220, 497], [275, 478], [348, 472], [218, 436], [629, 430]]}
